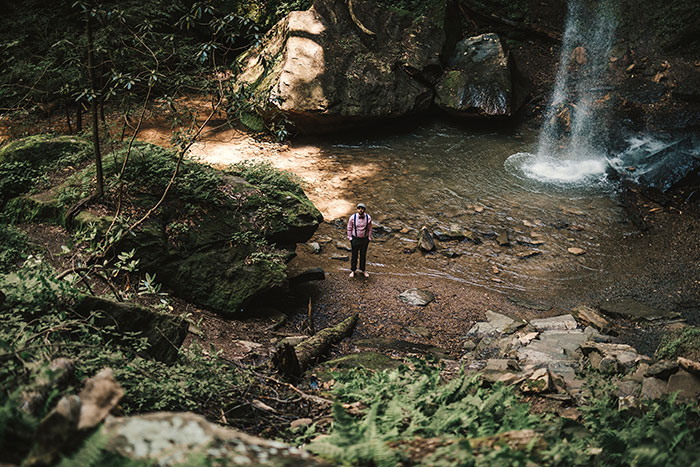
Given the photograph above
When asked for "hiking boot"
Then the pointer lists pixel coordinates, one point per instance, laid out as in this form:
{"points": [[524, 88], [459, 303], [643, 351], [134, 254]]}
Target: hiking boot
{"points": [[352, 273]]}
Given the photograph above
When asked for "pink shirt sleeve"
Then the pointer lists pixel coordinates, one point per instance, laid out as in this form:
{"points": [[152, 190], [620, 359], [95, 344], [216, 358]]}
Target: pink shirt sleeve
{"points": [[350, 227]]}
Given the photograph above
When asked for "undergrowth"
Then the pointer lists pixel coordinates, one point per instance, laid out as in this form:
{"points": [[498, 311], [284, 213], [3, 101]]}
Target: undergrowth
{"points": [[37, 325], [409, 416]]}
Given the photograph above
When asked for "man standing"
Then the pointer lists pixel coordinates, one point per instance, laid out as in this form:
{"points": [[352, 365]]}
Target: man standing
{"points": [[359, 234]]}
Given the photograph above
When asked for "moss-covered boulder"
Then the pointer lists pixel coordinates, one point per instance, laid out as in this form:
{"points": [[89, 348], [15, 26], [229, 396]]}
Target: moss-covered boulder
{"points": [[25, 161], [341, 64], [217, 238]]}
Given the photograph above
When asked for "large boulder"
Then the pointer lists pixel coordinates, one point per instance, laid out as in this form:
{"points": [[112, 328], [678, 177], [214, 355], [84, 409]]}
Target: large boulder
{"points": [[341, 64], [480, 80], [184, 439], [24, 161]]}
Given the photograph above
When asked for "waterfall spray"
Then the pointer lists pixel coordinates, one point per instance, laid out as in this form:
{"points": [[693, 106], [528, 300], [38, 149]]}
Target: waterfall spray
{"points": [[573, 142]]}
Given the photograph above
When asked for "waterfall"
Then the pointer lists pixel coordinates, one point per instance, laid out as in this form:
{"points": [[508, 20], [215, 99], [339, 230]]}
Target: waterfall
{"points": [[573, 120], [573, 145]]}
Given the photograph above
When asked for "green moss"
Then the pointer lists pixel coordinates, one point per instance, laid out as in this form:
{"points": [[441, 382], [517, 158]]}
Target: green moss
{"points": [[25, 163], [33, 208], [43, 150], [14, 247], [684, 342]]}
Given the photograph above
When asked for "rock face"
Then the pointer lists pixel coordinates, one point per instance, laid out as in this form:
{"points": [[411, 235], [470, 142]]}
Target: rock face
{"points": [[340, 64], [480, 81]]}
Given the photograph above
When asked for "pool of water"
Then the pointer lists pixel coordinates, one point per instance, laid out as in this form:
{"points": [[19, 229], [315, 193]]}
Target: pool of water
{"points": [[442, 174]]}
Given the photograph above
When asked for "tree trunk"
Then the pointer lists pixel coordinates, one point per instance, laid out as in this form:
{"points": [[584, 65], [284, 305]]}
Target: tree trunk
{"points": [[79, 118], [93, 110], [66, 108], [292, 360]]}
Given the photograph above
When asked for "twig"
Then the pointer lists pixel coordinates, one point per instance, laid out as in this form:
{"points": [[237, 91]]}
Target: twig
{"points": [[309, 397]]}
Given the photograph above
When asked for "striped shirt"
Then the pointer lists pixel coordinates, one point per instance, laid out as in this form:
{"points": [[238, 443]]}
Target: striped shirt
{"points": [[360, 226]]}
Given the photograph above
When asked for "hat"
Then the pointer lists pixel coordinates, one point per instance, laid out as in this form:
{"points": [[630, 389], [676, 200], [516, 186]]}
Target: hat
{"points": [[361, 205]]}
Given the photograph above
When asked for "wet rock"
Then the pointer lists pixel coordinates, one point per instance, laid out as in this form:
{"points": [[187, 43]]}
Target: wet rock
{"points": [[529, 241], [663, 369], [630, 309], [314, 247], [528, 254], [417, 297], [343, 246], [449, 253], [425, 240], [563, 322], [653, 388], [498, 321], [324, 238], [502, 239], [576, 251], [339, 257], [687, 385], [480, 81], [690, 366], [99, 396], [473, 237], [666, 167]]}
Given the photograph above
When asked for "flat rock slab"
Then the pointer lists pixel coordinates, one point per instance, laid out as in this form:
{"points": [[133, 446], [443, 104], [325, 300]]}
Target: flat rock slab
{"points": [[498, 321], [417, 297], [557, 323], [631, 309], [552, 346]]}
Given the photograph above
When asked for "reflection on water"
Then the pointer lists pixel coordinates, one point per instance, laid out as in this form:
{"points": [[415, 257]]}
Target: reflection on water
{"points": [[442, 175]]}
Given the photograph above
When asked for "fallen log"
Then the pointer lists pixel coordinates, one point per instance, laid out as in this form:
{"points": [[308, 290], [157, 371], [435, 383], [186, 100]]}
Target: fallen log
{"points": [[292, 360]]}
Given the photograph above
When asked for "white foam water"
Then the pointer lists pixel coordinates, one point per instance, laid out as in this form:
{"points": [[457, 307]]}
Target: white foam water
{"points": [[553, 170]]}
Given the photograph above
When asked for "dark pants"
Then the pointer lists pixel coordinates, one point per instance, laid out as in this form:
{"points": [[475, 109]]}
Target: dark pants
{"points": [[359, 245]]}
